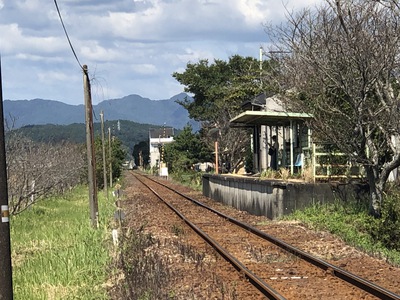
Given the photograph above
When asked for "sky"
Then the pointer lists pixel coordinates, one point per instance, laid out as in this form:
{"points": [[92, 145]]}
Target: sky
{"points": [[129, 46]]}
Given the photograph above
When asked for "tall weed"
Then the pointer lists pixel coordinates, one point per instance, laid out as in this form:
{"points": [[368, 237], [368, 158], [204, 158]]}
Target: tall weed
{"points": [[145, 272], [56, 253]]}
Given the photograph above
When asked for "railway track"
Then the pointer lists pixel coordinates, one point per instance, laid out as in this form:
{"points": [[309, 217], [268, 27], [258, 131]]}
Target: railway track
{"points": [[277, 269]]}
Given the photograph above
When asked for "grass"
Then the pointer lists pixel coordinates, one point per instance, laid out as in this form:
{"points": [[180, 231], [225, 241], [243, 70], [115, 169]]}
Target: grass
{"points": [[56, 254], [349, 221], [191, 179]]}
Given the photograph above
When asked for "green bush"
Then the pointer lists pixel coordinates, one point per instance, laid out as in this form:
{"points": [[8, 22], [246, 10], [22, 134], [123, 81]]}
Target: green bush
{"points": [[192, 179], [386, 230]]}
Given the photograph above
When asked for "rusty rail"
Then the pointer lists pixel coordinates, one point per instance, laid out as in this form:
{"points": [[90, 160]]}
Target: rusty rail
{"points": [[256, 281], [348, 277]]}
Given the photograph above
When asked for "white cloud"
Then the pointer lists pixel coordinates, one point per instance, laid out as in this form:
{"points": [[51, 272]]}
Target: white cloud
{"points": [[51, 76], [15, 41], [144, 69], [254, 11], [130, 46], [192, 55], [30, 5], [95, 52]]}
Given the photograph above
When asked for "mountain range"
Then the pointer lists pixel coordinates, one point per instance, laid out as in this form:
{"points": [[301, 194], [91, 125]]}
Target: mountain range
{"points": [[19, 113]]}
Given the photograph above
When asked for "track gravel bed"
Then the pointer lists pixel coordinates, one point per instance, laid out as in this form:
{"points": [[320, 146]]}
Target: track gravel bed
{"points": [[199, 273]]}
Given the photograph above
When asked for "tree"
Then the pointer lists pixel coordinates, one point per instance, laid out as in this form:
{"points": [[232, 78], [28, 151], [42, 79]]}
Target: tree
{"points": [[118, 155], [37, 170], [343, 68], [218, 91], [186, 150], [141, 153]]}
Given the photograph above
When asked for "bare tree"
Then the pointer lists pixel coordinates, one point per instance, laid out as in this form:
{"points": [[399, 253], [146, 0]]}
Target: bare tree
{"points": [[343, 67], [231, 143], [36, 170]]}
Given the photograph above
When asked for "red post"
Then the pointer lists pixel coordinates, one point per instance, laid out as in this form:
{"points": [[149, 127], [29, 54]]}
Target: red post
{"points": [[216, 157]]}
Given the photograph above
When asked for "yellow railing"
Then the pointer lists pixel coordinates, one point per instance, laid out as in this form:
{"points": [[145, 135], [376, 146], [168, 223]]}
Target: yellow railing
{"points": [[334, 166]]}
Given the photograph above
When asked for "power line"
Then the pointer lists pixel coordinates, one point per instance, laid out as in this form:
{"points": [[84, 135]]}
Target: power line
{"points": [[85, 71], [66, 34]]}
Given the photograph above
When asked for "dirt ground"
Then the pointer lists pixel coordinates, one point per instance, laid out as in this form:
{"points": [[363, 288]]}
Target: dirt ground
{"points": [[195, 271]]}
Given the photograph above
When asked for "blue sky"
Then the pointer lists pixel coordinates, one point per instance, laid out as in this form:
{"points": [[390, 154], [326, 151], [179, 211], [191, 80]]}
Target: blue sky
{"points": [[130, 46]]}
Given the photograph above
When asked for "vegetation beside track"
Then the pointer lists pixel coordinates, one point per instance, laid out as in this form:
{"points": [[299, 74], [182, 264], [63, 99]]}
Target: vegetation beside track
{"points": [[351, 222], [190, 179], [56, 253]]}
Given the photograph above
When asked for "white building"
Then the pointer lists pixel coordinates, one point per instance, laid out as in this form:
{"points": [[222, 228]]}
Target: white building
{"points": [[159, 137]]}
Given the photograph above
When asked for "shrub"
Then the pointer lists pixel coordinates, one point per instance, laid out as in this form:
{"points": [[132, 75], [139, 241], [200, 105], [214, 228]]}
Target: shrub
{"points": [[386, 230]]}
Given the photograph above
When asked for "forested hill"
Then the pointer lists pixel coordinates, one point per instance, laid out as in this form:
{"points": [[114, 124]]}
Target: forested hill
{"points": [[130, 133], [132, 108]]}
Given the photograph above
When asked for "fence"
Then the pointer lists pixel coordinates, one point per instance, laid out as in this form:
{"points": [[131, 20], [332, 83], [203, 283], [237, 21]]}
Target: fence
{"points": [[327, 163]]}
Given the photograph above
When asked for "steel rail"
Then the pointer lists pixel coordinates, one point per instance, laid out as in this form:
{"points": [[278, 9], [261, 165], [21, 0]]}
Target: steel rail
{"points": [[259, 283], [351, 278]]}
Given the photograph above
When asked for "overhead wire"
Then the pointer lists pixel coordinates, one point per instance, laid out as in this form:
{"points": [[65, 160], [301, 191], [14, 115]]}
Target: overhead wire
{"points": [[84, 68], [66, 34]]}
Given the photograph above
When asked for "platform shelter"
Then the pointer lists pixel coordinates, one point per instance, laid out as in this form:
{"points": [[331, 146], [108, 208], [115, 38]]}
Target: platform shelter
{"points": [[267, 117]]}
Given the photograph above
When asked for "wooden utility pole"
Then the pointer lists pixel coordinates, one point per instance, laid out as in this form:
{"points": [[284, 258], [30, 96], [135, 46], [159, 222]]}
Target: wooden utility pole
{"points": [[103, 144], [93, 204], [6, 289], [110, 155]]}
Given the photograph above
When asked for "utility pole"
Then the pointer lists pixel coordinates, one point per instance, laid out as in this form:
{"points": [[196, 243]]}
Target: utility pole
{"points": [[109, 154], [104, 153], [6, 289], [93, 204]]}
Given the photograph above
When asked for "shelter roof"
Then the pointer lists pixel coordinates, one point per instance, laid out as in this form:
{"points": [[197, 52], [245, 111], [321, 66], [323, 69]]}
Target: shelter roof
{"points": [[270, 118], [273, 113]]}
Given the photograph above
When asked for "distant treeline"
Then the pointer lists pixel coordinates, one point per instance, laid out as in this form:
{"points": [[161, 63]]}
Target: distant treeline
{"points": [[130, 133]]}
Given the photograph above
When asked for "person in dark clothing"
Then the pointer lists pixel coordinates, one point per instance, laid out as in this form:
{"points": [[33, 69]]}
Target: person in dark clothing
{"points": [[273, 152]]}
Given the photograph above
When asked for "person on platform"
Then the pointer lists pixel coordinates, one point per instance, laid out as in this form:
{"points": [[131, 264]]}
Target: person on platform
{"points": [[273, 152]]}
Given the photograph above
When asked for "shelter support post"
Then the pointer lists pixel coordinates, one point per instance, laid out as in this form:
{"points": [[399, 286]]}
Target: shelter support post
{"points": [[291, 148], [263, 145]]}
